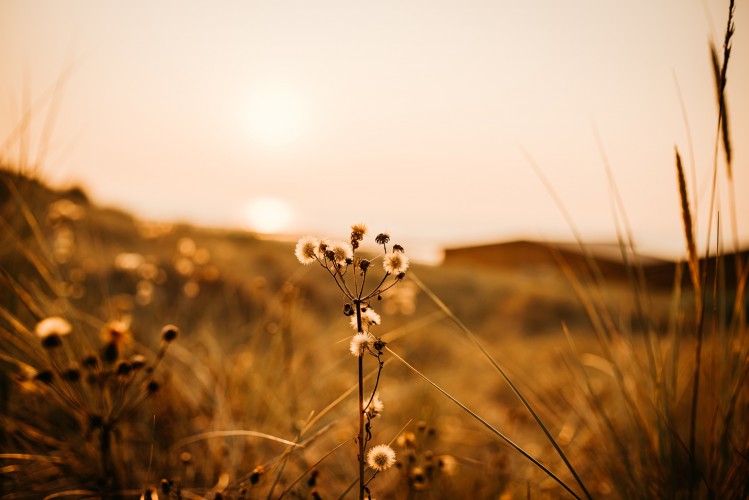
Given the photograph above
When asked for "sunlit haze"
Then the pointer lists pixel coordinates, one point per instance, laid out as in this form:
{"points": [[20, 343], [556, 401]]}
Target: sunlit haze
{"points": [[419, 118]]}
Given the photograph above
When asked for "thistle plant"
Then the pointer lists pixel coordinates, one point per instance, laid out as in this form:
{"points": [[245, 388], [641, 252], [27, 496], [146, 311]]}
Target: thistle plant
{"points": [[87, 401], [350, 273]]}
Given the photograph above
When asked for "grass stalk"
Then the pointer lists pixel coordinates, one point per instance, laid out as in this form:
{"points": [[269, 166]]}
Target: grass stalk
{"points": [[486, 424], [504, 375]]}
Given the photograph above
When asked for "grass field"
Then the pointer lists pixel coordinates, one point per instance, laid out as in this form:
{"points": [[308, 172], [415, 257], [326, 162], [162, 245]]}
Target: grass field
{"points": [[145, 360]]}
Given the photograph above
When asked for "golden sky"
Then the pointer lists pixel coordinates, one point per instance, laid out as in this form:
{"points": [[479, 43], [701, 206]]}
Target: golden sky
{"points": [[414, 117]]}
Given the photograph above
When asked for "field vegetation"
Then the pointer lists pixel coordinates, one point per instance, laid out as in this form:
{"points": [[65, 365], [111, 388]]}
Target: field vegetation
{"points": [[145, 360]]}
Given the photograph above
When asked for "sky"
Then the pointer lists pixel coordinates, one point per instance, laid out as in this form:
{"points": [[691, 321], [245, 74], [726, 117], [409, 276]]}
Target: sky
{"points": [[424, 119]]}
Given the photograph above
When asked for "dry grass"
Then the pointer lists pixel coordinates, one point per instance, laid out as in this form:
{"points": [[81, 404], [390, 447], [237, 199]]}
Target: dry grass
{"points": [[496, 384]]}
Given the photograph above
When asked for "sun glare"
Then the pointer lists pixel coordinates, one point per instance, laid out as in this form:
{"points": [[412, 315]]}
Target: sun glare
{"points": [[273, 117], [268, 214]]}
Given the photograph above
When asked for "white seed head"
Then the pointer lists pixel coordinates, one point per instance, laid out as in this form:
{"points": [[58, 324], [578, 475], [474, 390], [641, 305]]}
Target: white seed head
{"points": [[359, 342], [368, 318], [54, 325], [380, 457], [395, 263], [341, 252], [375, 407], [306, 250]]}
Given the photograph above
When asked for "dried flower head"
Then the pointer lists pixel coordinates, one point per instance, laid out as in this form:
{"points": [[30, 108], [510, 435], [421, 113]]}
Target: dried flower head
{"points": [[44, 376], [149, 494], [447, 465], [116, 332], [256, 474], [72, 373], [306, 250], [348, 309], [322, 248], [340, 252], [368, 318], [166, 486], [91, 361], [110, 352], [169, 333], [375, 406], [395, 263], [51, 330], [137, 361], [418, 479], [382, 239], [380, 457], [124, 368], [360, 342], [357, 234]]}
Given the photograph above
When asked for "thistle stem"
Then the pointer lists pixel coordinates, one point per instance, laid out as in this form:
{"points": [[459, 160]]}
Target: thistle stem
{"points": [[361, 405]]}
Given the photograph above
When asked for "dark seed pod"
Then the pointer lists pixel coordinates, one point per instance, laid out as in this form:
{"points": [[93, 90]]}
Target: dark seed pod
{"points": [[51, 341], [72, 374], [91, 361], [382, 238], [44, 376], [110, 353], [169, 333], [166, 486]]}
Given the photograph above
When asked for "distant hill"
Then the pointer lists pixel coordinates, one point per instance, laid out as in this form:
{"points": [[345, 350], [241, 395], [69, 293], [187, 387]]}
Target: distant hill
{"points": [[535, 257]]}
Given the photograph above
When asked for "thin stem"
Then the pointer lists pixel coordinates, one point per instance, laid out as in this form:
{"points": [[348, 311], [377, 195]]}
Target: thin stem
{"points": [[377, 382], [360, 409], [376, 290]]}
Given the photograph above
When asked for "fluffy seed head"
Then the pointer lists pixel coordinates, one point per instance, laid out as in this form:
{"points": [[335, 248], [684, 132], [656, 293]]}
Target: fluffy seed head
{"points": [[341, 252], [50, 330], [322, 248], [375, 407], [54, 325], [368, 318], [395, 262], [360, 342], [306, 250], [380, 457]]}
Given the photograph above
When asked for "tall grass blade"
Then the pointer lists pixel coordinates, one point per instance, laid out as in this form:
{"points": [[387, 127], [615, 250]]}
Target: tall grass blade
{"points": [[504, 375], [486, 424], [686, 216]]}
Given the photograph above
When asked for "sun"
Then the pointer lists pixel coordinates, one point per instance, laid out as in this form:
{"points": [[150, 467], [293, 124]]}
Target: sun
{"points": [[273, 117], [268, 214]]}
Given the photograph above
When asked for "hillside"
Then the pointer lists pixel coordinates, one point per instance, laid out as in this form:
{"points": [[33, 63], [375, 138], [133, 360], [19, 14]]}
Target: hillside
{"points": [[216, 362], [104, 254]]}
